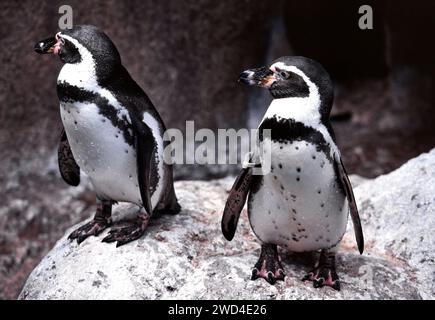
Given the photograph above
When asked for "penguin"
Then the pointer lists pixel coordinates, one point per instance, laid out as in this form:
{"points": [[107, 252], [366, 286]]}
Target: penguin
{"points": [[111, 131], [302, 204]]}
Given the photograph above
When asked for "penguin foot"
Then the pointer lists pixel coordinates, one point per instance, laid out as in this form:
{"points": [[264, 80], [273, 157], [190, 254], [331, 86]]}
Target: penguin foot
{"points": [[92, 228], [102, 220], [269, 265], [172, 208], [324, 273], [129, 233]]}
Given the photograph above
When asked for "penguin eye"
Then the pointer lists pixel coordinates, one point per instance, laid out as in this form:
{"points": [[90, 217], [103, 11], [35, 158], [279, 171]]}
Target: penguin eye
{"points": [[284, 74]]}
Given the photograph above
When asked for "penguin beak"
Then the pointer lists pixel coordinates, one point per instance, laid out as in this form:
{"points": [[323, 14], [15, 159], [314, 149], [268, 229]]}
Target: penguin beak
{"points": [[50, 45], [261, 77]]}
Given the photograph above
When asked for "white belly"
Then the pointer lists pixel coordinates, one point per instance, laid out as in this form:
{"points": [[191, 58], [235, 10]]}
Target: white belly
{"points": [[299, 206], [102, 153]]}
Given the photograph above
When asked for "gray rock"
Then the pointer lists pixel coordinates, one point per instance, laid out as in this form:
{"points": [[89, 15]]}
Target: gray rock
{"points": [[186, 256]]}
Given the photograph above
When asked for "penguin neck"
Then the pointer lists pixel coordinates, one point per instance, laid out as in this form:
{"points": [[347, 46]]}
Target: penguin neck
{"points": [[305, 110], [301, 110], [80, 75]]}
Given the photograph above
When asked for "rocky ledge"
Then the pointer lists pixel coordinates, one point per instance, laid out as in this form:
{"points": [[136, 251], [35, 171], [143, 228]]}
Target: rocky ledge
{"points": [[186, 256]]}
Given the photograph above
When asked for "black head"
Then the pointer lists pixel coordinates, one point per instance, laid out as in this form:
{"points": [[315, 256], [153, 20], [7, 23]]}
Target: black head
{"points": [[293, 77], [83, 43]]}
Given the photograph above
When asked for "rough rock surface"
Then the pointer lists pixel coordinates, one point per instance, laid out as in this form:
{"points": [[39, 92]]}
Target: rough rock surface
{"points": [[186, 256]]}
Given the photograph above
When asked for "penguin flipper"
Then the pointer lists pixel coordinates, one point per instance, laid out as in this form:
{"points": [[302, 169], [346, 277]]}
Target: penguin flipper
{"points": [[146, 149], [235, 202], [68, 167], [344, 179]]}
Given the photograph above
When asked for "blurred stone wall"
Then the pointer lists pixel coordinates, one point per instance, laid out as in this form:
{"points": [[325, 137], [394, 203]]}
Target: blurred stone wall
{"points": [[186, 55], [384, 77]]}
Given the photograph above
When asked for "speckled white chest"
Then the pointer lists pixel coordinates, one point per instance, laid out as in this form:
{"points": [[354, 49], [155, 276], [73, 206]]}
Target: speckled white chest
{"points": [[102, 153], [299, 205]]}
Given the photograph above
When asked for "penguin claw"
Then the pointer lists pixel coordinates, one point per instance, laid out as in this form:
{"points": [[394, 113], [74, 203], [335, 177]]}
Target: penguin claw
{"points": [[336, 285], [92, 228], [254, 275], [268, 266], [318, 283], [324, 274], [81, 238], [323, 277], [308, 276], [108, 239], [281, 274], [128, 233], [270, 278], [123, 235]]}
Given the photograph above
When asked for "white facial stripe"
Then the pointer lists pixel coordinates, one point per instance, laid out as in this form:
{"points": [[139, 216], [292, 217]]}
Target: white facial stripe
{"points": [[281, 66], [305, 110], [83, 75], [80, 74]]}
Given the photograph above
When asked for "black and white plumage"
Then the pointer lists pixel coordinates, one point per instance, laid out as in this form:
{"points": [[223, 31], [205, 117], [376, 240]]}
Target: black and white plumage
{"points": [[112, 132], [303, 203]]}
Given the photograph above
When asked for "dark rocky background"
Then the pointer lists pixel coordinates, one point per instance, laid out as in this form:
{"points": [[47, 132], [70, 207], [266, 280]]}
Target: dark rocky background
{"points": [[187, 56]]}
